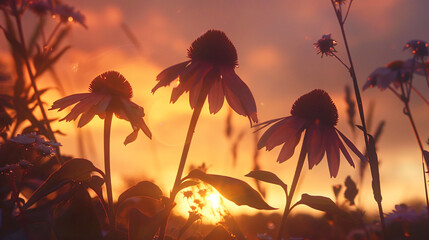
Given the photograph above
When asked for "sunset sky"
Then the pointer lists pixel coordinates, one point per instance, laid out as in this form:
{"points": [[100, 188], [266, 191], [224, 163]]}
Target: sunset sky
{"points": [[277, 60]]}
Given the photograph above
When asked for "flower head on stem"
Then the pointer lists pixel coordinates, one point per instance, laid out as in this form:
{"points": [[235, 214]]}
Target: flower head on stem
{"points": [[418, 48], [213, 59], [109, 91], [325, 45], [316, 114]]}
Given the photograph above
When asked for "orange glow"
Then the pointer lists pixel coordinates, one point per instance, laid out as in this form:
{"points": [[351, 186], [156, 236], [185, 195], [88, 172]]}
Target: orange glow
{"points": [[203, 200], [70, 19]]}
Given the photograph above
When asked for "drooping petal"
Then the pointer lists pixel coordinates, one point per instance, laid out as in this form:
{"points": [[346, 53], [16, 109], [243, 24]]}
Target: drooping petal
{"points": [[200, 79], [83, 106], [169, 74], [344, 151], [289, 148], [332, 152], [88, 115], [264, 138], [135, 115], [352, 146], [132, 137], [69, 100], [291, 127], [314, 143], [237, 94], [187, 79], [216, 96]]}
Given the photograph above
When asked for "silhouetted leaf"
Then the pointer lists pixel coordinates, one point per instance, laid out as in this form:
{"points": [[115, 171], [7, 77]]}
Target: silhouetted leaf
{"points": [[144, 227], [74, 170], [319, 203], [233, 189], [351, 190], [143, 188], [184, 185], [268, 177], [219, 233], [146, 205], [77, 220]]}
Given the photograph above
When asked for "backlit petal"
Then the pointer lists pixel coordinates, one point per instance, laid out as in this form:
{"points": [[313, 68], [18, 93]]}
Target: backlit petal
{"points": [[216, 96], [264, 138], [237, 94], [332, 152], [291, 127], [289, 148], [314, 143], [168, 75], [344, 151], [69, 100], [200, 79], [83, 106], [352, 146]]}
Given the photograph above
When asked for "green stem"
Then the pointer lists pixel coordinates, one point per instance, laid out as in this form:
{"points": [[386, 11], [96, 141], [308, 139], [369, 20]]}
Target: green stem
{"points": [[108, 178], [300, 164]]}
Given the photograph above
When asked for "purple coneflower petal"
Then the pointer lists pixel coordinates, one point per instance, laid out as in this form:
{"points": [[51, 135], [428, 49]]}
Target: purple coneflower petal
{"points": [[289, 148], [332, 152], [216, 96], [345, 152], [169, 75], [315, 145], [83, 106], [264, 138], [237, 94], [195, 89], [132, 137], [188, 78], [100, 107], [291, 127], [352, 146], [69, 100]]}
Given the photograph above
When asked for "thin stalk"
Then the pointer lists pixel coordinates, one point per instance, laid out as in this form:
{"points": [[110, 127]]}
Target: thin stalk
{"points": [[189, 135], [194, 119], [419, 141], [108, 178], [298, 171], [358, 100], [32, 77]]}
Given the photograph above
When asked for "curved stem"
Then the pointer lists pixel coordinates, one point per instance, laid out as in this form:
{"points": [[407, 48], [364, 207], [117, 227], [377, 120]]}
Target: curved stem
{"points": [[300, 164], [189, 135], [108, 177], [194, 119], [359, 103]]}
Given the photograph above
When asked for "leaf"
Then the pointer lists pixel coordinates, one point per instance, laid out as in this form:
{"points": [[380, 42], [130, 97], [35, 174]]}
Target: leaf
{"points": [[268, 177], [319, 203], [351, 190], [184, 185], [219, 233], [77, 220], [144, 227], [146, 205], [233, 189], [143, 188], [74, 170]]}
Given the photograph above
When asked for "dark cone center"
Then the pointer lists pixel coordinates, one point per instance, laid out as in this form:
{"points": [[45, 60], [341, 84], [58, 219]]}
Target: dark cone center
{"points": [[112, 83]]}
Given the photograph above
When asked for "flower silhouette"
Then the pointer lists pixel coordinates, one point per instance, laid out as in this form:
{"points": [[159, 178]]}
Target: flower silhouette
{"points": [[418, 48], [315, 113], [109, 91], [69, 14], [326, 45], [395, 73], [210, 72]]}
